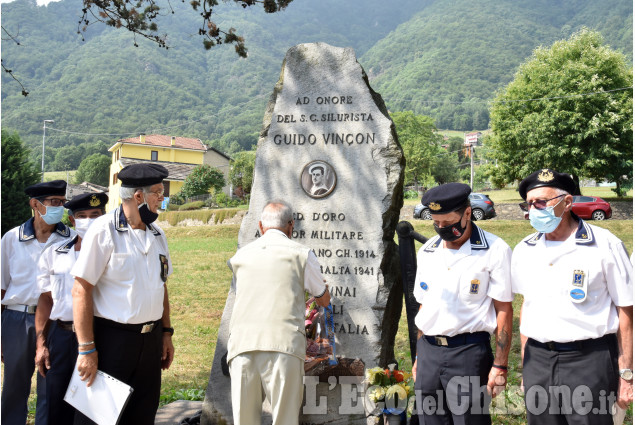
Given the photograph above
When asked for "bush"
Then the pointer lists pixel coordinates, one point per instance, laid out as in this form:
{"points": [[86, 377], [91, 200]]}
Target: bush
{"points": [[175, 217], [196, 205], [204, 216], [410, 194]]}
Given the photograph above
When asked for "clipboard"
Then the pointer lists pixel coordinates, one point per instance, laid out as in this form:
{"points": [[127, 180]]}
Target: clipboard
{"points": [[103, 401]]}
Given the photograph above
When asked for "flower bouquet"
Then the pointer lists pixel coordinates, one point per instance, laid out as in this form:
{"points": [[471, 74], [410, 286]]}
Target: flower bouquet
{"points": [[320, 338], [389, 389]]}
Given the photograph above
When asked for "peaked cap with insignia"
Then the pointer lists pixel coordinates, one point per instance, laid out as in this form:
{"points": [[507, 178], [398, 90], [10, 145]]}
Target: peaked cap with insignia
{"points": [[546, 178], [52, 188], [87, 201], [141, 175], [446, 198]]}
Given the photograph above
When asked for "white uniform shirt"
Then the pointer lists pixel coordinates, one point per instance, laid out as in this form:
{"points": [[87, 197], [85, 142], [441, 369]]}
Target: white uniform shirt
{"points": [[571, 289], [20, 254], [54, 276], [313, 279], [455, 287], [126, 269]]}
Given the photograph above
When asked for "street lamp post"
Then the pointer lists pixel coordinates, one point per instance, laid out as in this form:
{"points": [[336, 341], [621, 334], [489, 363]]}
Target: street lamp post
{"points": [[43, 143]]}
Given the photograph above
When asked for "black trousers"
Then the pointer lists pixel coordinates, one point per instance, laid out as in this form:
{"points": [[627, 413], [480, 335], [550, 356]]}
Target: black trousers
{"points": [[451, 384], [571, 387], [62, 345], [135, 359]]}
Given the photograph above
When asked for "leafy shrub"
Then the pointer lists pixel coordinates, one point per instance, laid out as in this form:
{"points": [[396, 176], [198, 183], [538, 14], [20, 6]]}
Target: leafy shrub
{"points": [[182, 394], [196, 205], [204, 216], [410, 194]]}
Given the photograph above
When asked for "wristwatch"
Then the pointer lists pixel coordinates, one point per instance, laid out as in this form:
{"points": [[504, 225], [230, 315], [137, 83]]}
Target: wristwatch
{"points": [[626, 374], [171, 331]]}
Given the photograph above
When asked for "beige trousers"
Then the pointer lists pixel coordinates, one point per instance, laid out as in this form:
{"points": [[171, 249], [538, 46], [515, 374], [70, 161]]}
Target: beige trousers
{"points": [[276, 376]]}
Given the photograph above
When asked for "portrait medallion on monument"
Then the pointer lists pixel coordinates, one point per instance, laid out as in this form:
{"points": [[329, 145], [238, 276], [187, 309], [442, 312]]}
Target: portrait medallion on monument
{"points": [[318, 179]]}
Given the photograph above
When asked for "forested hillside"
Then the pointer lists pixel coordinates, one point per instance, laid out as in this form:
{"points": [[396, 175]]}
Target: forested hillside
{"points": [[451, 57], [417, 54]]}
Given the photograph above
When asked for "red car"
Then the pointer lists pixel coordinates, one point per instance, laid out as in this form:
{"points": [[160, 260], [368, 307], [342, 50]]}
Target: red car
{"points": [[591, 207]]}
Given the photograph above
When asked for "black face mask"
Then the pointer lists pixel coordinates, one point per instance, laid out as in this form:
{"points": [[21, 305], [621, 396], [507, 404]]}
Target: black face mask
{"points": [[452, 232], [147, 216]]}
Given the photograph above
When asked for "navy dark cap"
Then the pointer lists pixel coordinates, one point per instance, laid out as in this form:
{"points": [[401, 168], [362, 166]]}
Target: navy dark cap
{"points": [[446, 198], [140, 175], [52, 188], [546, 178], [87, 201]]}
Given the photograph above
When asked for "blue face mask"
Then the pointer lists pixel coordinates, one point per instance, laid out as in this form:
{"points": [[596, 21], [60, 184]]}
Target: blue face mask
{"points": [[53, 215], [544, 221]]}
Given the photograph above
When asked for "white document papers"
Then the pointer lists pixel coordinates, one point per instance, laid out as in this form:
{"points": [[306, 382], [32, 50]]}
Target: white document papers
{"points": [[103, 401]]}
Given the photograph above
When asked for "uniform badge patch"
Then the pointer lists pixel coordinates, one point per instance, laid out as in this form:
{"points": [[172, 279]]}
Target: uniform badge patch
{"points": [[545, 175], [578, 278], [164, 267], [424, 286], [579, 286], [474, 284], [434, 206], [94, 201], [577, 294]]}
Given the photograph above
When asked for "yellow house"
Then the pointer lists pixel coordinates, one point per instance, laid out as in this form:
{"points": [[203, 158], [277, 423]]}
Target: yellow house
{"points": [[180, 155]]}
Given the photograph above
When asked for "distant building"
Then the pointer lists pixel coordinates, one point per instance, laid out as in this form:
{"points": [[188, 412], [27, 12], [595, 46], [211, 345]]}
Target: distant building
{"points": [[180, 155], [72, 190]]}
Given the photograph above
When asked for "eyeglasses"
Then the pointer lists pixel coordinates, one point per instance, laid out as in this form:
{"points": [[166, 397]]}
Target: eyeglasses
{"points": [[540, 204], [54, 202], [159, 193]]}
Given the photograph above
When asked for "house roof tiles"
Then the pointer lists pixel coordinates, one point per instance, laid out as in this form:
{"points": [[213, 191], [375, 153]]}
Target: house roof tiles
{"points": [[166, 141], [176, 170]]}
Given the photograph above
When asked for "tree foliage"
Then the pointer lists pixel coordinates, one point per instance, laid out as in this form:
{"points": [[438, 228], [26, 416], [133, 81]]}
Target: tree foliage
{"points": [[18, 172], [202, 180], [585, 135], [140, 18], [94, 169], [427, 161], [241, 173]]}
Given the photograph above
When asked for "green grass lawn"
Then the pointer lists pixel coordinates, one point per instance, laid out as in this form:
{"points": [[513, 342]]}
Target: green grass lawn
{"points": [[201, 279], [59, 175]]}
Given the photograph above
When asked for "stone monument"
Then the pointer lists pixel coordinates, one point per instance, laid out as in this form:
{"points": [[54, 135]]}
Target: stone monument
{"points": [[329, 148]]}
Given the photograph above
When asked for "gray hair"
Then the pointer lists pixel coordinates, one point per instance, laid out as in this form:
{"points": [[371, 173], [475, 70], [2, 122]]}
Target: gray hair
{"points": [[560, 192], [276, 215], [128, 192]]}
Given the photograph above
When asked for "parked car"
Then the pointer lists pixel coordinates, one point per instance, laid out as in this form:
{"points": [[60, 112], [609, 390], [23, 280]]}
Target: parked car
{"points": [[591, 208], [482, 208]]}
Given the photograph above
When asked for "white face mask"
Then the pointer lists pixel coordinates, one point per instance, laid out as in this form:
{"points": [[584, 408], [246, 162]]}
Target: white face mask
{"points": [[82, 225]]}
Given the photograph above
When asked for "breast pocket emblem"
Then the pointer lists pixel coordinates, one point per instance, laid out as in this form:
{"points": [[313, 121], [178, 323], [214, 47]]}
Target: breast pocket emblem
{"points": [[164, 267], [474, 285]]}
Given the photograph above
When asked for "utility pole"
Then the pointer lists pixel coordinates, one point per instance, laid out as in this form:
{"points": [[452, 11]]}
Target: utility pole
{"points": [[471, 166], [43, 143]]}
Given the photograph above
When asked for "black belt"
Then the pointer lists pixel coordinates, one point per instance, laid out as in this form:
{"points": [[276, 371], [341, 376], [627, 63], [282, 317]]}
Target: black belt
{"points": [[458, 340], [574, 345], [67, 326], [136, 327]]}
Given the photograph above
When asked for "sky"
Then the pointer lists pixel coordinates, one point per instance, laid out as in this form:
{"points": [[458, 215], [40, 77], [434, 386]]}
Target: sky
{"points": [[39, 2]]}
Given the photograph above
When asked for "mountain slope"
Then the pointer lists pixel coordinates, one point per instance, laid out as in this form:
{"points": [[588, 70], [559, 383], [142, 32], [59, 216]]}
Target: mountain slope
{"points": [[426, 50], [450, 58]]}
